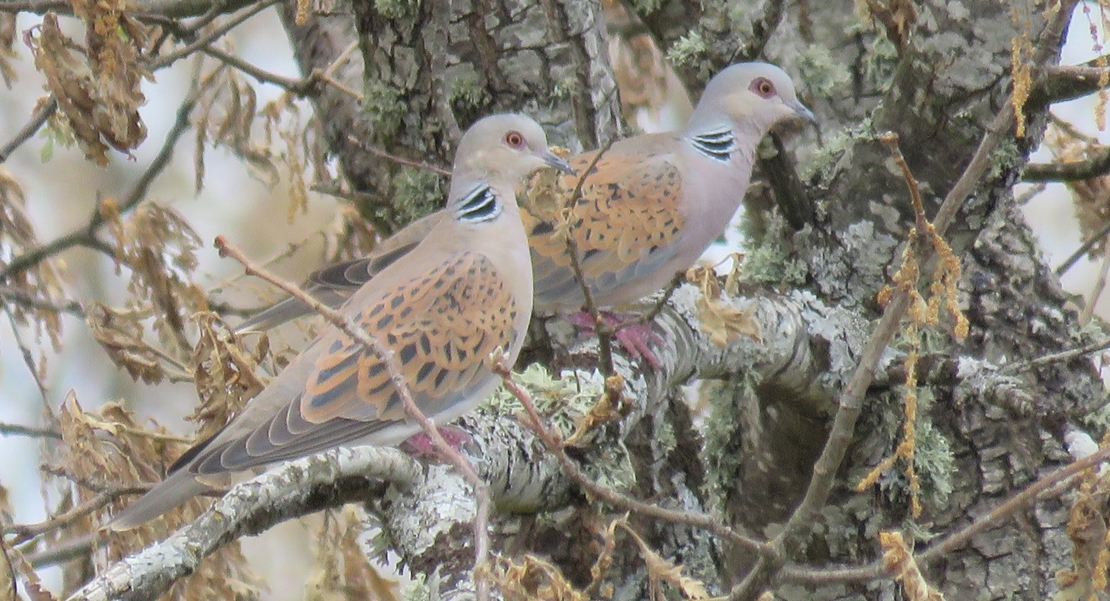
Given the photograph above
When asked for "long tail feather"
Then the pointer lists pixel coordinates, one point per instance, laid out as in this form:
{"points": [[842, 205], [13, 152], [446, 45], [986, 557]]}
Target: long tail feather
{"points": [[173, 491]]}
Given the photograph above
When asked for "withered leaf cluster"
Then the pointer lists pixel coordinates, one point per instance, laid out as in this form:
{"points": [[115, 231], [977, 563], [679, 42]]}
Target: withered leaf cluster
{"points": [[40, 282], [159, 247], [97, 85], [223, 372], [107, 450]]}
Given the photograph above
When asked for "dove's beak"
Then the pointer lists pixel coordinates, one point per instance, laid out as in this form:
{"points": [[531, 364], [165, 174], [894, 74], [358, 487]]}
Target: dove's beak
{"points": [[552, 159], [803, 112]]}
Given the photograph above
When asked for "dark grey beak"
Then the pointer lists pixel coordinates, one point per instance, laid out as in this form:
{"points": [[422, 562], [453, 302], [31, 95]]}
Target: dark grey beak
{"points": [[552, 159], [803, 112]]}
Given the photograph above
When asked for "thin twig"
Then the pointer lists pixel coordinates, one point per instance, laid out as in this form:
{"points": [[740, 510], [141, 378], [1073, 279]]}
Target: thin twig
{"points": [[604, 338], [29, 361], [553, 442], [1082, 250], [33, 125], [1059, 357], [25, 298], [400, 160], [7, 429], [29, 531], [296, 86], [1096, 291], [656, 309], [211, 36], [1071, 171], [386, 354]]}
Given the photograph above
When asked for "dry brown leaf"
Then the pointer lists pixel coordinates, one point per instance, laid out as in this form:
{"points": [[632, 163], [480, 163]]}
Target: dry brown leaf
{"points": [[7, 47], [107, 448], [725, 323], [531, 578], [1091, 196], [224, 374], [159, 247], [41, 281], [121, 335], [97, 86]]}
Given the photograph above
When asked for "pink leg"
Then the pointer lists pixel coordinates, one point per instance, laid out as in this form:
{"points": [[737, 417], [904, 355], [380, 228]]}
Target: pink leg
{"points": [[420, 444], [636, 339]]}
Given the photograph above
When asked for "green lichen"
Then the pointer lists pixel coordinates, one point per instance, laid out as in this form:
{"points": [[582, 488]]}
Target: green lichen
{"points": [[565, 88], [564, 401], [687, 49], [824, 158], [467, 92], [824, 75], [723, 452], [646, 7], [416, 192], [1097, 421], [417, 589], [767, 261], [397, 9], [384, 108], [935, 465]]}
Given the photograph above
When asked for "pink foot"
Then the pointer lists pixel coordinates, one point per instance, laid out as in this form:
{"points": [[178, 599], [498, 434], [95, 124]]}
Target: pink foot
{"points": [[421, 445], [635, 339]]}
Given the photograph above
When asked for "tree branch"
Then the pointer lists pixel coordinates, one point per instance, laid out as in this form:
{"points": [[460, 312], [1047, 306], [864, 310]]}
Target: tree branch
{"points": [[289, 491]]}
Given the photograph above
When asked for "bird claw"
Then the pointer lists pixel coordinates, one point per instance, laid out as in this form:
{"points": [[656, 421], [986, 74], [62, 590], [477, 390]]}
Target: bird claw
{"points": [[421, 445], [636, 339]]}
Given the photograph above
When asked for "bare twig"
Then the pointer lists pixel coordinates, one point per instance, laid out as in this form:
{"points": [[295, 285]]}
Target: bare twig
{"points": [[553, 442], [656, 309], [7, 429], [604, 338], [211, 36], [296, 86], [29, 361], [400, 160], [1059, 357], [1096, 291], [1082, 250], [1071, 171], [33, 125], [386, 354], [27, 299]]}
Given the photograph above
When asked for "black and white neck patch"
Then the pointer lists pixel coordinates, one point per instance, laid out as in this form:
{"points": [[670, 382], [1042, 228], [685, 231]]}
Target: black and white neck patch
{"points": [[479, 205], [718, 145]]}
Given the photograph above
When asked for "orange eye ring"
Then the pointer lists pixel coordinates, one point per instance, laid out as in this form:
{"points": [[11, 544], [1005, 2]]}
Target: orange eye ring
{"points": [[514, 139], [763, 87]]}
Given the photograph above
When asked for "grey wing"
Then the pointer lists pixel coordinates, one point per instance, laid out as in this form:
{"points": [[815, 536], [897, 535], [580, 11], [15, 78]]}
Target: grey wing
{"points": [[334, 284]]}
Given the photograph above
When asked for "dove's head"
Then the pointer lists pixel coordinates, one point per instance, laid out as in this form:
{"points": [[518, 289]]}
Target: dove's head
{"points": [[750, 96], [504, 147]]}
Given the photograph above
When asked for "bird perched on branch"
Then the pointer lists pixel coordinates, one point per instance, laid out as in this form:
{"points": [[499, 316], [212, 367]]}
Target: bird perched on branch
{"points": [[461, 293], [647, 209]]}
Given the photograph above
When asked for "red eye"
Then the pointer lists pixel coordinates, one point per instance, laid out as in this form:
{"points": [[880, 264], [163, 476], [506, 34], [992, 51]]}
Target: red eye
{"points": [[763, 87], [514, 139]]}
